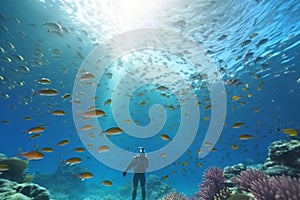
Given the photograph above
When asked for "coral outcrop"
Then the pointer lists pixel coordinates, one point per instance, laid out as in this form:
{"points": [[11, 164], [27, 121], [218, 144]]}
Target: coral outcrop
{"points": [[16, 169], [283, 158], [263, 187], [63, 180], [10, 190], [174, 196], [213, 182]]}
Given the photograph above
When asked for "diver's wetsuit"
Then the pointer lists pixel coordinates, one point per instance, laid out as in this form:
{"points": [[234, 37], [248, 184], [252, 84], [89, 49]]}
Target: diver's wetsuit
{"points": [[136, 178], [139, 164]]}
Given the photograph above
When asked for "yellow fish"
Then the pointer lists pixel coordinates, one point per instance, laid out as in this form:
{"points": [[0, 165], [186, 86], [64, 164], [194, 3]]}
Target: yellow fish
{"points": [[58, 112], [84, 175], [36, 129], [245, 137], [107, 183], [237, 125], [113, 131], [165, 137], [235, 98], [103, 148], [94, 113], [63, 142], [290, 131]]}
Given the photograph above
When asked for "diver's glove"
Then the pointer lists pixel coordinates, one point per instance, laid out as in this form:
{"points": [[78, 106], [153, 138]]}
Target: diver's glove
{"points": [[124, 174]]}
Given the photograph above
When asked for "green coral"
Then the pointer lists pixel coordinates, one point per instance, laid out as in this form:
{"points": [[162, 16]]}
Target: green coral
{"points": [[239, 197]]}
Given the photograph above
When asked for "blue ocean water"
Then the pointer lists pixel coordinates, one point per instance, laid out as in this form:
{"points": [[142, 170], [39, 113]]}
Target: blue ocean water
{"points": [[254, 44]]}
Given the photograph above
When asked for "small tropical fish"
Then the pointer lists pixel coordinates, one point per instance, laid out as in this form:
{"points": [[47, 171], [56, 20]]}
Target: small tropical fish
{"points": [[162, 88], [142, 103], [245, 43], [128, 121], [237, 125], [185, 163], [163, 155], [79, 149], [36, 129], [58, 112], [72, 161], [85, 175], [103, 148], [86, 127], [206, 118], [94, 113], [207, 107], [27, 118], [165, 137], [4, 167], [165, 177], [234, 146], [290, 131], [113, 131], [107, 183], [65, 96], [47, 92], [31, 155], [235, 98], [107, 102], [63, 142], [261, 42], [53, 26], [47, 149], [86, 76], [207, 144], [253, 35], [256, 110], [43, 81], [245, 137], [35, 136]]}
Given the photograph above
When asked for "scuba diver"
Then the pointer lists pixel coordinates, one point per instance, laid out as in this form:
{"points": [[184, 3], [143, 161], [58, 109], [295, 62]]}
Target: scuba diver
{"points": [[139, 163]]}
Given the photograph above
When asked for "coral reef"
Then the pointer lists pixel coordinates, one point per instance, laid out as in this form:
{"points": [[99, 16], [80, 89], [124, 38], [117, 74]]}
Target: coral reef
{"points": [[174, 196], [16, 171], [63, 180], [231, 171], [213, 182], [263, 187], [247, 177], [239, 197], [283, 158], [223, 194], [22, 191], [155, 188]]}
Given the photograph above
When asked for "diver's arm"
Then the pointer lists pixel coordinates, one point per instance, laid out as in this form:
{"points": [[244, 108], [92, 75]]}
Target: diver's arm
{"points": [[129, 166]]}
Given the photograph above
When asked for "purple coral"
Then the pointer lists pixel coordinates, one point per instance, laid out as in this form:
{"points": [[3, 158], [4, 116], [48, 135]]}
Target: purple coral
{"points": [[245, 178], [212, 182], [268, 188], [277, 188]]}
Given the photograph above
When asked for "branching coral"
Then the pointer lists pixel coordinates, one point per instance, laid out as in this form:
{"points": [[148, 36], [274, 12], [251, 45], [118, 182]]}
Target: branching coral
{"points": [[174, 196], [212, 183], [245, 179], [268, 188]]}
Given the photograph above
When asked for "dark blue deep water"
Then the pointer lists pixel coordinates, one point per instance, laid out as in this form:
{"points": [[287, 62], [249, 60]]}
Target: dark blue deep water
{"points": [[254, 44]]}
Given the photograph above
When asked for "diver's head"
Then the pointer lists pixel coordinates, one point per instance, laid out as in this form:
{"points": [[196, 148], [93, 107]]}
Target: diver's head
{"points": [[142, 149]]}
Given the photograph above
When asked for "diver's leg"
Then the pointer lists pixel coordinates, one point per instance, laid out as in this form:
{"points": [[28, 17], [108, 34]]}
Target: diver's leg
{"points": [[143, 185], [135, 183]]}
